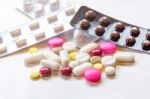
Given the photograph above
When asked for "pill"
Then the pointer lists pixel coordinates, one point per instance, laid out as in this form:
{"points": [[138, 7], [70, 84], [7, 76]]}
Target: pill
{"points": [[124, 57], [35, 75], [52, 18], [85, 24], [79, 70], [34, 26], [96, 52], [3, 49], [21, 42], [50, 55], [89, 47], [70, 46], [52, 64], [55, 42], [45, 71], [108, 48], [110, 71], [33, 50], [69, 11], [119, 27], [108, 61], [98, 66], [57, 49], [16, 32], [78, 37], [34, 58], [95, 59], [64, 57], [115, 36], [82, 57], [65, 71], [58, 28], [73, 64], [28, 6], [39, 36], [1, 39], [54, 5], [92, 75], [39, 10], [90, 15], [72, 55]]}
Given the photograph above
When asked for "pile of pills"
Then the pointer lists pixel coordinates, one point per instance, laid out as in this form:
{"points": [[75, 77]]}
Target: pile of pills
{"points": [[90, 61]]}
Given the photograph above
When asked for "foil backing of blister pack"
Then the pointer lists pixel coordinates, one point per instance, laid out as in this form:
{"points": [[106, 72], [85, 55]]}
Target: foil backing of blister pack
{"points": [[75, 22]]}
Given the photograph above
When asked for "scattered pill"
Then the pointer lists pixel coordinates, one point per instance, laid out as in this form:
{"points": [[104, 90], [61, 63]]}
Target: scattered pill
{"points": [[45, 71], [89, 47], [108, 61], [50, 55], [55, 42], [69, 11], [64, 57], [39, 36], [21, 42], [95, 59], [96, 52], [57, 49], [72, 55], [16, 32], [52, 18], [70, 46], [52, 64], [33, 50], [66, 71], [98, 66], [34, 26], [82, 57], [110, 71], [34, 58], [54, 5], [79, 70], [58, 28], [92, 75], [35, 75], [73, 64], [124, 57], [108, 48]]}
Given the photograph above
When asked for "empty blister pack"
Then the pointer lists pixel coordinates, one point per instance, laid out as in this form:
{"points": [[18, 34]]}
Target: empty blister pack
{"points": [[108, 28], [37, 8], [36, 31]]}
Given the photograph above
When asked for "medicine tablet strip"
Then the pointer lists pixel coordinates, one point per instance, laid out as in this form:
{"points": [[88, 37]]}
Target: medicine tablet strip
{"points": [[37, 8], [34, 32], [104, 27]]}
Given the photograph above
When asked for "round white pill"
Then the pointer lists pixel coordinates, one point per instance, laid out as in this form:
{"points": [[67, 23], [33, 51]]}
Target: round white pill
{"points": [[70, 46], [89, 47], [108, 61], [110, 70], [73, 64], [82, 57]]}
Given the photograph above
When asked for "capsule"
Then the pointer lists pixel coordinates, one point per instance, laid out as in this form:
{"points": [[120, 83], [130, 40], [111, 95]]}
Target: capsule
{"points": [[82, 57], [73, 64], [89, 47], [64, 57], [108, 61]]}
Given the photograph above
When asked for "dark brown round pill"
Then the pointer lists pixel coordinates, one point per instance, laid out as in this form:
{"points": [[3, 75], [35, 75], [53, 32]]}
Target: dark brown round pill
{"points": [[90, 15], [135, 31], [104, 21], [99, 31], [115, 36], [130, 41], [119, 27], [84, 24], [148, 36], [146, 45]]}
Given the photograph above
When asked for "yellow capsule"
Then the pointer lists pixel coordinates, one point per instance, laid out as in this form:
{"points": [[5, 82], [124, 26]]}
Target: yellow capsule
{"points": [[33, 50], [99, 66], [72, 55], [35, 75]]}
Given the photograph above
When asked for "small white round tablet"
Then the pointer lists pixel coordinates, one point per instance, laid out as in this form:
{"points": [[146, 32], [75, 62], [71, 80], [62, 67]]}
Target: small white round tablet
{"points": [[110, 70]]}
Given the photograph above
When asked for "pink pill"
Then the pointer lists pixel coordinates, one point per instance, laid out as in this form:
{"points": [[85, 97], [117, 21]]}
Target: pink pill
{"points": [[92, 75], [55, 42], [108, 48]]}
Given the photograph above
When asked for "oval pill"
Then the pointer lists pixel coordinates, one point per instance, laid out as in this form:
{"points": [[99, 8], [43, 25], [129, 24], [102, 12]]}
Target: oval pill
{"points": [[89, 47], [55, 42], [72, 55], [64, 57], [35, 75], [70, 46], [73, 64], [82, 57], [108, 61], [95, 59]]}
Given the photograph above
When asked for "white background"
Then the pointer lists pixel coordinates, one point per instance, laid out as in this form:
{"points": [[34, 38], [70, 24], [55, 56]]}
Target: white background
{"points": [[131, 82]]}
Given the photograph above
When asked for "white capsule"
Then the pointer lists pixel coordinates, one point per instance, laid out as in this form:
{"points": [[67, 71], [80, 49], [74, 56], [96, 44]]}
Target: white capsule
{"points": [[78, 37], [89, 47], [82, 57], [54, 5], [110, 70], [73, 64], [52, 56], [70, 46], [34, 58], [79, 70], [95, 59], [108, 61], [53, 65], [124, 57], [64, 57]]}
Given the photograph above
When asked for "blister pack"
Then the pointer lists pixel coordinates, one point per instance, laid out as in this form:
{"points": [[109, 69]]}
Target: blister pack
{"points": [[110, 29]]}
